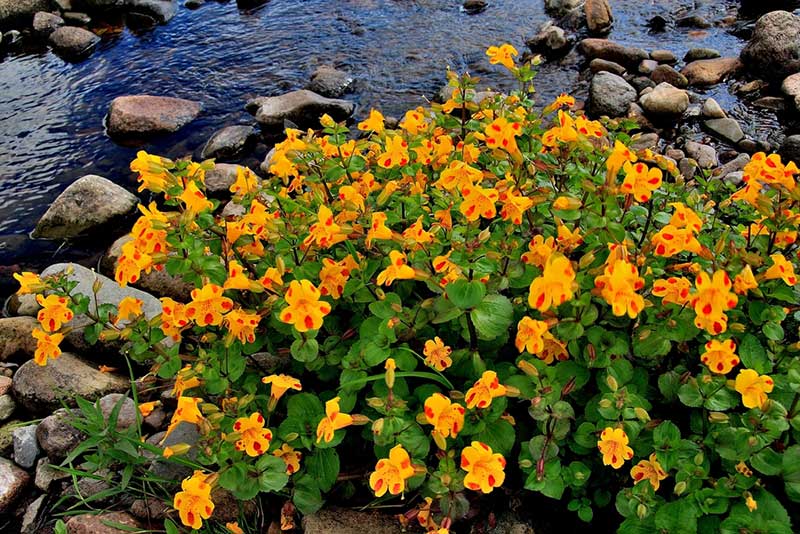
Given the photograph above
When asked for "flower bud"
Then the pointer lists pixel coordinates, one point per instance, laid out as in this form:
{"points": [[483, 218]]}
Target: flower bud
{"points": [[641, 414], [215, 418], [109, 335], [511, 391], [360, 419], [528, 368], [291, 436], [605, 403], [484, 235], [377, 426], [525, 464], [612, 383], [176, 450], [699, 458], [641, 511], [737, 327], [680, 487], [718, 417], [390, 367], [375, 402], [586, 260]]}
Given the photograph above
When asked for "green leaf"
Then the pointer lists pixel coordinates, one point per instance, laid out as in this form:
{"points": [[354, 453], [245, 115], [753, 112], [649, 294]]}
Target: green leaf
{"points": [[492, 317], [500, 436], [273, 477], [767, 462], [323, 466], [169, 526], [305, 350], [690, 395], [753, 354], [791, 472], [773, 331], [464, 294], [307, 497], [679, 517]]}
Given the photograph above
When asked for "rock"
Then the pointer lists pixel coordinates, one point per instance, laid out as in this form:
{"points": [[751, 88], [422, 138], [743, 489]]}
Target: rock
{"points": [[128, 413], [40, 389], [150, 509], [774, 49], [663, 56], [774, 103], [142, 115], [26, 449], [726, 129], [72, 42], [23, 305], [665, 101], [790, 149], [194, 4], [100, 523], [704, 155], [161, 11], [16, 340], [344, 521], [561, 6], [735, 177], [750, 87], [695, 54], [303, 107], [647, 66], [7, 407], [610, 95], [46, 475], [642, 83], [693, 21], [28, 525], [183, 433], [233, 209], [687, 168], [231, 142], [611, 51], [636, 113], [5, 384], [56, 436], [711, 71], [601, 65], [156, 419], [734, 165], [13, 481], [665, 73], [598, 16], [89, 205], [220, 179], [45, 23], [657, 23], [675, 153], [63, 5], [551, 41], [791, 85], [644, 141], [76, 17], [473, 7], [20, 13], [712, 110], [10, 38], [265, 165], [330, 82]]}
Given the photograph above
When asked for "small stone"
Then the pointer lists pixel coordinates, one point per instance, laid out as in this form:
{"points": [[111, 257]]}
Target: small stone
{"points": [[473, 7], [45, 23], [611, 51], [663, 56], [711, 71], [128, 413], [791, 85], [657, 23], [303, 108], [220, 179], [56, 436], [330, 82], [231, 142], [598, 16], [182, 433], [100, 523], [675, 153], [16, 340], [704, 155], [734, 165], [194, 4], [551, 41], [561, 7], [790, 149], [647, 66], [642, 83], [26, 449], [687, 168], [76, 17], [601, 65], [13, 482], [161, 11], [18, 13], [712, 110], [28, 525], [72, 42], [774, 103], [644, 141], [695, 54], [735, 177], [344, 521], [665, 101], [727, 129], [750, 87], [150, 509], [693, 21], [144, 115], [156, 419], [5, 385], [665, 73], [610, 95], [46, 474], [7, 407], [748, 145]]}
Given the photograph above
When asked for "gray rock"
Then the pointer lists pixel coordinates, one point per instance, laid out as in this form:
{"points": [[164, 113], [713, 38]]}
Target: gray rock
{"points": [[10, 38], [644, 141], [774, 48], [56, 436], [45, 23], [344, 521], [16, 340], [64, 5], [23, 305], [687, 168], [47, 475], [712, 109], [561, 7], [233, 209], [302, 107], [727, 129], [156, 419], [735, 177], [551, 41], [663, 56], [76, 18], [773, 103], [143, 115], [601, 65], [665, 73], [89, 205], [693, 21], [734, 165], [791, 85], [330, 82], [101, 523], [5, 384], [26, 449], [183, 433], [701, 53], [150, 509], [265, 165], [194, 4], [128, 413], [641, 83], [72, 42], [704, 155], [790, 149], [231, 142], [647, 66], [40, 389], [13, 482], [665, 101], [636, 113], [28, 525], [7, 407], [598, 16], [748, 145], [20, 12], [711, 71], [610, 95], [611, 51], [161, 11]]}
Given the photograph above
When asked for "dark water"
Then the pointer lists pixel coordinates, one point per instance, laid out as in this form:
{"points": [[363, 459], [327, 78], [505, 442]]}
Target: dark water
{"points": [[51, 112]]}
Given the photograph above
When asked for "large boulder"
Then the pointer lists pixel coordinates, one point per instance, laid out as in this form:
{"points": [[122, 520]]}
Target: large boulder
{"points": [[665, 73], [330, 82], [231, 142], [142, 115], [610, 95], [16, 340], [774, 48], [72, 42], [727, 129], [711, 71], [45, 23], [302, 107], [598, 16], [611, 51], [13, 481], [20, 13], [90, 205], [665, 101]]}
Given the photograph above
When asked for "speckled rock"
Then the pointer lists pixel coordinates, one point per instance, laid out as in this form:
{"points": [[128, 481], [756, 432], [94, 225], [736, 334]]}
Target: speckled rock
{"points": [[303, 108], [26, 449], [100, 523], [145, 115], [665, 73], [343, 521], [598, 16], [774, 48], [13, 482], [72, 42], [231, 142], [330, 82], [711, 71], [726, 129], [665, 101], [56, 436], [16, 340], [610, 95], [611, 51], [45, 23], [127, 414], [20, 12], [704, 155]]}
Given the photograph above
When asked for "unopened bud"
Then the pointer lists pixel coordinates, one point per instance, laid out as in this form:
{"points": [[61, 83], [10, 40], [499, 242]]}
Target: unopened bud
{"points": [[718, 417], [511, 391], [680, 487], [359, 419], [699, 458], [568, 387], [528, 368], [377, 426], [612, 383], [737, 327], [605, 403], [525, 464], [390, 367], [176, 450], [109, 335], [291, 436], [215, 418], [207, 408], [446, 479], [484, 235], [641, 511], [586, 260], [379, 293], [96, 285], [641, 414], [375, 402]]}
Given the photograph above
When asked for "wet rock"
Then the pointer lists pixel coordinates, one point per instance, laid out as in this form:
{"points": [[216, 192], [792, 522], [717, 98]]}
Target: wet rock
{"points": [[750, 87], [561, 7], [734, 165], [343, 521], [711, 71], [704, 155], [161, 11], [693, 21], [675, 153], [695, 54], [611, 51], [13, 482], [7, 407], [748, 145], [665, 101], [663, 56], [302, 107], [774, 49], [23, 305], [610, 95], [727, 129], [601, 65], [45, 23], [28, 525], [76, 18], [657, 23], [665, 73], [156, 419], [642, 83], [231, 142], [694, 111], [72, 42], [10, 38], [636, 113], [647, 66], [20, 12], [26, 449], [40, 389], [712, 110], [16, 340], [551, 41], [194, 4], [330, 82], [89, 205], [790, 149], [56, 436], [143, 115], [100, 523], [128, 412], [233, 209], [265, 165], [63, 5], [47, 475], [598, 16], [773, 103]]}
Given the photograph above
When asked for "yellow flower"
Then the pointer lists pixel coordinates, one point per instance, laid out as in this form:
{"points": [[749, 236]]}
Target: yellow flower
{"points": [[414, 122], [350, 196], [282, 167], [514, 206], [246, 182], [539, 251], [720, 356], [566, 203], [568, 239], [272, 279], [613, 444], [671, 240], [237, 277], [618, 285], [712, 299], [486, 388], [378, 228], [146, 408], [280, 384], [152, 170], [128, 307], [417, 234], [640, 181], [185, 379], [530, 335], [437, 354], [753, 388], [458, 175], [391, 473], [46, 346], [446, 417], [325, 232], [744, 281], [555, 286], [396, 153], [485, 468], [782, 269], [173, 318], [334, 420], [649, 470], [502, 134], [234, 528], [208, 305], [194, 502], [373, 123], [242, 325], [55, 312], [672, 290], [194, 199], [29, 283], [685, 218], [751, 503], [397, 269], [478, 202], [255, 439], [502, 55], [290, 457], [188, 411], [619, 156], [305, 311], [334, 275]]}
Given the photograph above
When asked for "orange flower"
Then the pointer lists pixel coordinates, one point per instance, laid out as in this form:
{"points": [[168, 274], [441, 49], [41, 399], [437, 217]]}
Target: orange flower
{"points": [[502, 134], [152, 170], [128, 307], [334, 420], [753, 388], [555, 286], [613, 444], [185, 379], [373, 123], [255, 438], [378, 228], [720, 356], [568, 239], [458, 175], [290, 457], [194, 200], [485, 468], [672, 290], [325, 232], [194, 502], [619, 156], [334, 275], [234, 528], [391, 473], [208, 305], [671, 240], [478, 202], [28, 283], [618, 285], [146, 408], [685, 218], [437, 354], [305, 311], [712, 299], [640, 181], [417, 234], [414, 122], [446, 417], [396, 153], [242, 325], [649, 470], [530, 335], [46, 346], [484, 390], [173, 318], [246, 182], [744, 281], [539, 251], [280, 384], [514, 206], [237, 277], [188, 411], [782, 269], [55, 312], [502, 55], [397, 269]]}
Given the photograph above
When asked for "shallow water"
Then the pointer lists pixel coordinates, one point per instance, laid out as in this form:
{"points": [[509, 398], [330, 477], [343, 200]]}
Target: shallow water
{"points": [[51, 111]]}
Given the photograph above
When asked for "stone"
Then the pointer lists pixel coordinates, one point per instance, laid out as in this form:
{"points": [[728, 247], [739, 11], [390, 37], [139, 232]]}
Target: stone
{"points": [[143, 115], [45, 23], [5, 384], [150, 509], [473, 7], [644, 141], [701, 53], [72, 42], [693, 21], [231, 142], [10, 38], [675, 153], [791, 85], [657, 23], [41, 389], [790, 149], [663, 56], [47, 475], [265, 165], [687, 168], [303, 108], [611, 51], [344, 521], [551, 41], [727, 129], [704, 155], [598, 16], [665, 101], [665, 73], [773, 103], [20, 13], [28, 525], [101, 523], [56, 436], [127, 414], [610, 95], [735, 165], [156, 419], [601, 65], [26, 449], [76, 17], [16, 340], [712, 109], [711, 71], [220, 179], [561, 6], [182, 433], [13, 482], [642, 83], [330, 82], [735, 177], [23, 305], [161, 11], [774, 48], [7, 407], [90, 205], [647, 66], [194, 4], [636, 113]]}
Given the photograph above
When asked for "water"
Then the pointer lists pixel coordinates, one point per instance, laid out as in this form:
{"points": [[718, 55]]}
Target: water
{"points": [[51, 111]]}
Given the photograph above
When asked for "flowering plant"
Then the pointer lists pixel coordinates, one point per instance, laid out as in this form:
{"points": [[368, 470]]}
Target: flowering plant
{"points": [[487, 297]]}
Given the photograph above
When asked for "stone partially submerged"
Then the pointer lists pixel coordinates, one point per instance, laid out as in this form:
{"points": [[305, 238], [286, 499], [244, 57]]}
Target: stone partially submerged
{"points": [[774, 49], [144, 115], [303, 107], [72, 42]]}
